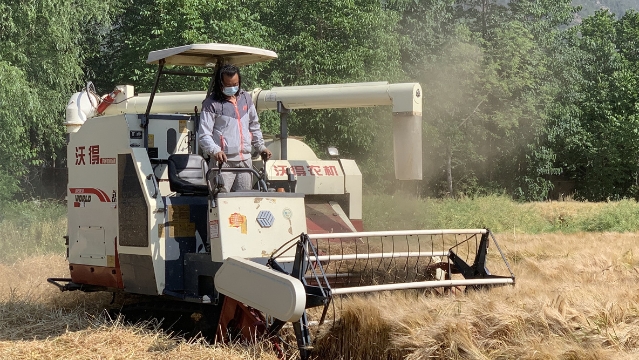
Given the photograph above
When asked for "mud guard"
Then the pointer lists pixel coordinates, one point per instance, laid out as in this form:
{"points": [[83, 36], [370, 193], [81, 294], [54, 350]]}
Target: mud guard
{"points": [[276, 294]]}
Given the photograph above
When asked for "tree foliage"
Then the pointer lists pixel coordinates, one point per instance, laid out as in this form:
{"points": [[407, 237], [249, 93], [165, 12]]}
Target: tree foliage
{"points": [[334, 42], [599, 146], [618, 7], [44, 45], [516, 92], [149, 25]]}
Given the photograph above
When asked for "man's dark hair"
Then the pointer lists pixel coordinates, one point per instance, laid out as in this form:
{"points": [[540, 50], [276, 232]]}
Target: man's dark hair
{"points": [[225, 70]]}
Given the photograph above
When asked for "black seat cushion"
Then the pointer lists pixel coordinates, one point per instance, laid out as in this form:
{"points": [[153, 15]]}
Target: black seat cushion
{"points": [[187, 174]]}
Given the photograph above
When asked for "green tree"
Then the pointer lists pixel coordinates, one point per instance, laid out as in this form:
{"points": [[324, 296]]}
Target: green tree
{"points": [[317, 43], [618, 7], [486, 91], [19, 104], [482, 16], [557, 79], [452, 128], [424, 29], [334, 41], [44, 46], [149, 25], [599, 149]]}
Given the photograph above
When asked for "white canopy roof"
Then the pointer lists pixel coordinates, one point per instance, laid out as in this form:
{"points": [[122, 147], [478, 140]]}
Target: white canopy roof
{"points": [[208, 54]]}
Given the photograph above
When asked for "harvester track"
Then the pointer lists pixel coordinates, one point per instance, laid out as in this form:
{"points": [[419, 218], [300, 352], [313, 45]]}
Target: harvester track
{"points": [[179, 318]]}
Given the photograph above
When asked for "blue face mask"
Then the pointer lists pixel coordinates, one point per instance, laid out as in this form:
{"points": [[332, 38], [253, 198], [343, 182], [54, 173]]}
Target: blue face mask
{"points": [[230, 90]]}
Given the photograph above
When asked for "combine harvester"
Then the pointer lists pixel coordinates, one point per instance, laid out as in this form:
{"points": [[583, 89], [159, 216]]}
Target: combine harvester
{"points": [[146, 215]]}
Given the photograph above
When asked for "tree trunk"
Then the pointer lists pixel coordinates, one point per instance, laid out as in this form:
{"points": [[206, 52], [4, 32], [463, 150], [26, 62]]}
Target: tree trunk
{"points": [[484, 27], [449, 170]]}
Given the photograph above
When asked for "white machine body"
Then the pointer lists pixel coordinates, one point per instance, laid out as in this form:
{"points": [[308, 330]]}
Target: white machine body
{"points": [[96, 246], [254, 225], [122, 216], [130, 229]]}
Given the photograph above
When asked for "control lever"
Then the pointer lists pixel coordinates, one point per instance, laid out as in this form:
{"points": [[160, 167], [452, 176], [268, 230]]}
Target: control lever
{"points": [[219, 180], [292, 180], [263, 174]]}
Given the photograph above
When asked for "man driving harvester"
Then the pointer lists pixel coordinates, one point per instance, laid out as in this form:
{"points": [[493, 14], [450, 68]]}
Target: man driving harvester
{"points": [[230, 129]]}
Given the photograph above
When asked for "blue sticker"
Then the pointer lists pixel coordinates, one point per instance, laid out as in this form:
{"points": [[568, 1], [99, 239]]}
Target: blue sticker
{"points": [[265, 218]]}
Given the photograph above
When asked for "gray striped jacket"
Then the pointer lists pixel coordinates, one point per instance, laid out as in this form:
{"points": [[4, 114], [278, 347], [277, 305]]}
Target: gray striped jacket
{"points": [[233, 128]]}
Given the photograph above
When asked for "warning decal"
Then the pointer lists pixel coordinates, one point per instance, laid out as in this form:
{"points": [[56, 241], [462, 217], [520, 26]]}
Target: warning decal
{"points": [[214, 229], [182, 126]]}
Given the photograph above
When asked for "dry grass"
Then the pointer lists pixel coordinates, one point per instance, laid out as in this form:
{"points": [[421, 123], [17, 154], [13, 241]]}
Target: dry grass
{"points": [[37, 321], [577, 297]]}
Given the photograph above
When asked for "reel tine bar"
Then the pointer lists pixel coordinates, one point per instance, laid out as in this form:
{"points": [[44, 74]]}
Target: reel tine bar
{"points": [[349, 263]]}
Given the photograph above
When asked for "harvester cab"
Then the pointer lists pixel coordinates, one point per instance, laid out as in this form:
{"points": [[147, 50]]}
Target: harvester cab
{"points": [[146, 214]]}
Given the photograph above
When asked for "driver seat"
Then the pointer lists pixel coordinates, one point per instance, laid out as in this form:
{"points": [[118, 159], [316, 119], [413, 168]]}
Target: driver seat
{"points": [[187, 174]]}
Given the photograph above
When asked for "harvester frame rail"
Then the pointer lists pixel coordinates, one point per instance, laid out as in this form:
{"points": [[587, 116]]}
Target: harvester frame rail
{"points": [[422, 285], [364, 256], [398, 233], [69, 285]]}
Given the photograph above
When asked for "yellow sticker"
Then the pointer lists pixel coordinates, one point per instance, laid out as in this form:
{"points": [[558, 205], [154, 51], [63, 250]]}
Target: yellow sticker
{"points": [[180, 224], [238, 220], [179, 213], [110, 261], [182, 126], [151, 140], [187, 229]]}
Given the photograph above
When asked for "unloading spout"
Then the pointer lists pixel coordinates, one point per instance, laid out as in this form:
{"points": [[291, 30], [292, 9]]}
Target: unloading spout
{"points": [[406, 100]]}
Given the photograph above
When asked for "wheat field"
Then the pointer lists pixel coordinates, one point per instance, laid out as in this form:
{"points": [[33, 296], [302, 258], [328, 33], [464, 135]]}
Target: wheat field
{"points": [[37, 321], [576, 297], [576, 294]]}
